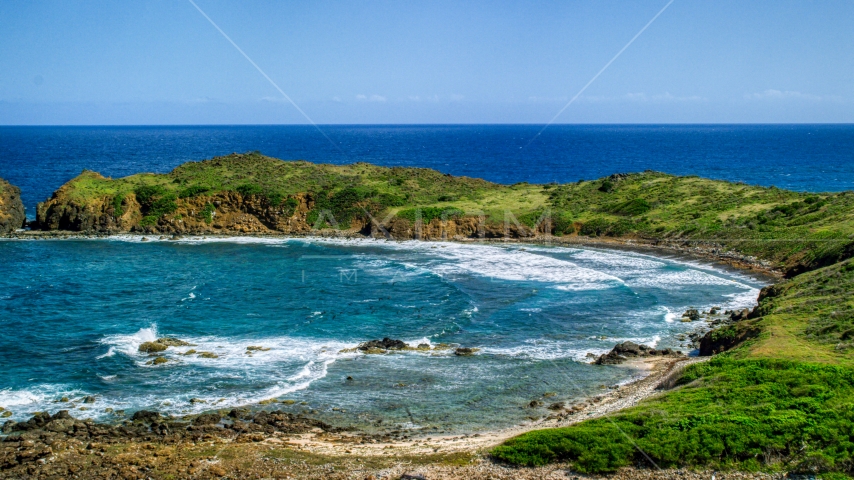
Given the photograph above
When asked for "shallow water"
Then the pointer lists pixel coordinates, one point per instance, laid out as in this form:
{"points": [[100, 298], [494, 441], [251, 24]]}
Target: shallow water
{"points": [[74, 312]]}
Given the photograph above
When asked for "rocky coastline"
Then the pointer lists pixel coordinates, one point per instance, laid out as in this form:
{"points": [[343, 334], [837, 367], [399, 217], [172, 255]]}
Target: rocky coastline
{"points": [[47, 446], [149, 445]]}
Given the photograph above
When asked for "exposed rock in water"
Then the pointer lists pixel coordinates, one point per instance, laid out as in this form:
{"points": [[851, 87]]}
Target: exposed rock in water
{"points": [[152, 347], [384, 344], [626, 350], [173, 342], [162, 344], [692, 313], [12, 213], [465, 351]]}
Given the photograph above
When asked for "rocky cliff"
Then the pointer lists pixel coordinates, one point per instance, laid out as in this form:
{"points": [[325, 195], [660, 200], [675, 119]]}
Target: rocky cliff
{"points": [[12, 214], [234, 213], [156, 210]]}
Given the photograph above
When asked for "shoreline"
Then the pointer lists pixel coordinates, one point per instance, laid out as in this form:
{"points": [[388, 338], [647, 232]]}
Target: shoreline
{"points": [[658, 369], [303, 448], [679, 247]]}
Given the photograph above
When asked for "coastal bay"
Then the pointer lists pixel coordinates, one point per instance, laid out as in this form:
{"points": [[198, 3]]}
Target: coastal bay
{"points": [[798, 236]]}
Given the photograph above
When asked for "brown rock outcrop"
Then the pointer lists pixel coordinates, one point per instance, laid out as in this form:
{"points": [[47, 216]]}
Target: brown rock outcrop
{"points": [[12, 213], [626, 350]]}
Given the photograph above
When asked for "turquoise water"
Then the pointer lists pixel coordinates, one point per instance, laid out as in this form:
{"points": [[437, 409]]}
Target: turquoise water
{"points": [[73, 313]]}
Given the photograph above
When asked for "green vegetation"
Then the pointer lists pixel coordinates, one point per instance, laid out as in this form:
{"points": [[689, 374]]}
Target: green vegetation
{"points": [[429, 214], [117, 205], [745, 414], [207, 213], [193, 191], [155, 201]]}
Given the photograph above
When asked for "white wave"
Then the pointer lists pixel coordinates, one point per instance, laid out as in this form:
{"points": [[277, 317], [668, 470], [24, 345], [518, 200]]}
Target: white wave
{"points": [[669, 315], [42, 398], [582, 287], [200, 239], [128, 344], [741, 300], [487, 261], [539, 349], [10, 399], [689, 277], [418, 341], [110, 353], [630, 260]]}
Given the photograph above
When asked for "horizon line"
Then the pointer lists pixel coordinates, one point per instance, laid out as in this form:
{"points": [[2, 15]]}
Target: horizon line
{"points": [[531, 124]]}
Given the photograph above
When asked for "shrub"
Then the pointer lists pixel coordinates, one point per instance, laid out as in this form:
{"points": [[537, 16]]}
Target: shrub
{"points": [[145, 194], [344, 205], [429, 213], [207, 213], [594, 228], [390, 200], [562, 226], [248, 189], [148, 220], [275, 198], [155, 201], [117, 205], [607, 186], [193, 191], [635, 207], [620, 228], [289, 206]]}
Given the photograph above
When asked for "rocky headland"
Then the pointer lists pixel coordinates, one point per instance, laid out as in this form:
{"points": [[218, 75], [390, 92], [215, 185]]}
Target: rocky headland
{"points": [[12, 213], [250, 194]]}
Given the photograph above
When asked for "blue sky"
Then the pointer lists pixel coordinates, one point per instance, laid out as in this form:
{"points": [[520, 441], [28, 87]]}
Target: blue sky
{"points": [[161, 62]]}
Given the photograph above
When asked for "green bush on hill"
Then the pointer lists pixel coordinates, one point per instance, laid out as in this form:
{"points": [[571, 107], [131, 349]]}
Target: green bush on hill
{"points": [[155, 201], [117, 205], [429, 214], [193, 191], [207, 213], [248, 189]]}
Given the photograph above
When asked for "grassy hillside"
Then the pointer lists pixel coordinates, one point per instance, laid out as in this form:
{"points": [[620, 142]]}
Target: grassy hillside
{"points": [[783, 400]]}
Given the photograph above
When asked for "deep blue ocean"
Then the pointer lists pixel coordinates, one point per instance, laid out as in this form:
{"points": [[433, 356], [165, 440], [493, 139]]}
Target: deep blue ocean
{"points": [[74, 312], [797, 157]]}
